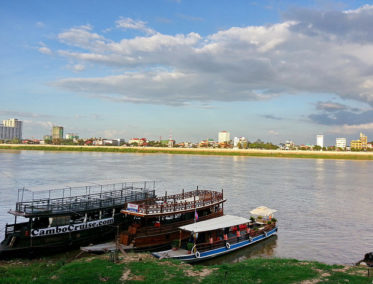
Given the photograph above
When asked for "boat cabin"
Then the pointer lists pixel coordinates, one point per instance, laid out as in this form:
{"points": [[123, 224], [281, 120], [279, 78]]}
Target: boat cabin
{"points": [[155, 221], [218, 236]]}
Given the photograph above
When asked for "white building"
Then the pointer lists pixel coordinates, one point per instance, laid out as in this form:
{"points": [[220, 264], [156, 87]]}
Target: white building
{"points": [[341, 143], [236, 140], [320, 140], [224, 136], [11, 129], [289, 145], [71, 136]]}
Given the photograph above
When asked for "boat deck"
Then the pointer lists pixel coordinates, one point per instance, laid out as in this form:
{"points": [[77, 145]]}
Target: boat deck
{"points": [[178, 203], [171, 253], [112, 195]]}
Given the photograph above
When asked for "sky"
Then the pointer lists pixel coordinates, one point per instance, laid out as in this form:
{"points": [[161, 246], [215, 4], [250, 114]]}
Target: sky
{"points": [[269, 70]]}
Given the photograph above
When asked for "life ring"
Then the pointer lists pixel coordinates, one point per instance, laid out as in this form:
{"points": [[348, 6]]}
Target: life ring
{"points": [[250, 239], [228, 245], [197, 254], [265, 233]]}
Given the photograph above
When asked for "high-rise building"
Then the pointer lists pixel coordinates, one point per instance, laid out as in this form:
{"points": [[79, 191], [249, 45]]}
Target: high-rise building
{"points": [[362, 143], [11, 129], [224, 137], [341, 143], [57, 132], [236, 140], [320, 140]]}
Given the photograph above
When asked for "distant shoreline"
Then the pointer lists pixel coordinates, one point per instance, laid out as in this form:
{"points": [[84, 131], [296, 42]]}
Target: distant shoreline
{"points": [[198, 151]]}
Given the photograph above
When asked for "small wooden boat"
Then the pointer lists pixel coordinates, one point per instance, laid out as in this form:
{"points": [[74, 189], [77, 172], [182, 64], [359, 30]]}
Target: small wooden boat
{"points": [[155, 222], [221, 235]]}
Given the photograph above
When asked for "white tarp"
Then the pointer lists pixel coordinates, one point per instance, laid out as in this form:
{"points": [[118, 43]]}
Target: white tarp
{"points": [[215, 223], [263, 211]]}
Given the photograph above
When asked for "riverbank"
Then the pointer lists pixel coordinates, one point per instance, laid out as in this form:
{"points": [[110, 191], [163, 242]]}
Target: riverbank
{"points": [[199, 151], [133, 268]]}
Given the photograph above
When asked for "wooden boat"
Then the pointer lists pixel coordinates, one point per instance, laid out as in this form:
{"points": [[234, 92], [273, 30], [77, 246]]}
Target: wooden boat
{"points": [[155, 221], [54, 223], [219, 236]]}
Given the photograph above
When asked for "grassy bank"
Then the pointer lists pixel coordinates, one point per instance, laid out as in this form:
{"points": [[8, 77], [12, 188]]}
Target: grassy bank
{"points": [[199, 151], [143, 267]]}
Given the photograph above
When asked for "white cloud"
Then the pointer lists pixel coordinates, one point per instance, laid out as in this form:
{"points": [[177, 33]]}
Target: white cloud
{"points": [[83, 37], [114, 134], [131, 24], [78, 67], [306, 54], [273, 132], [46, 125], [351, 129], [363, 8], [22, 114], [40, 24], [45, 50]]}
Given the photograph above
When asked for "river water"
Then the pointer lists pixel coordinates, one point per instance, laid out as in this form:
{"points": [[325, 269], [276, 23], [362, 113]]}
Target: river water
{"points": [[324, 206]]}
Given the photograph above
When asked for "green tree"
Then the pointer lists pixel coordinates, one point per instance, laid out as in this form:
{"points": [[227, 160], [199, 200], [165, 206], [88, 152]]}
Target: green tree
{"points": [[15, 141], [57, 141]]}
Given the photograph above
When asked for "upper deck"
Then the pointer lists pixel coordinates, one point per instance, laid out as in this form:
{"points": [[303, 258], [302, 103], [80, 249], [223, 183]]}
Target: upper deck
{"points": [[94, 197], [175, 204]]}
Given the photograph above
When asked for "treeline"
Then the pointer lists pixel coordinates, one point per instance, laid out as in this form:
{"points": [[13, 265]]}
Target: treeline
{"points": [[258, 144], [64, 142]]}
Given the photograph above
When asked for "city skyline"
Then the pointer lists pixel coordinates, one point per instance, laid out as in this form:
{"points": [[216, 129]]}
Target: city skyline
{"points": [[12, 129], [271, 70]]}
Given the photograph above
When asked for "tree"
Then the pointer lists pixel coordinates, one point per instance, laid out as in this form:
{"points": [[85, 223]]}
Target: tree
{"points": [[56, 141], [15, 141]]}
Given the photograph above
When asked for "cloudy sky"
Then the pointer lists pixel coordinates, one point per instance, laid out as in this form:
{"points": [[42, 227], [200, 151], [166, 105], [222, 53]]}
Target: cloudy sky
{"points": [[272, 70]]}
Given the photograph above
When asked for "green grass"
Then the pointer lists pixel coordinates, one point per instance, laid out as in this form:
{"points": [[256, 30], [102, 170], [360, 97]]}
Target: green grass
{"points": [[142, 267], [149, 150]]}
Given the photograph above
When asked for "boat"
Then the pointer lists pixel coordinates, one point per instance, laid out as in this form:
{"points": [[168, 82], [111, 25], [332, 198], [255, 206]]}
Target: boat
{"points": [[221, 235], [69, 217], [155, 222]]}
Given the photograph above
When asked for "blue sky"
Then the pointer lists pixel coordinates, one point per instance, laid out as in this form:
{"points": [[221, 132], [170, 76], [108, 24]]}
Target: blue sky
{"points": [[273, 70]]}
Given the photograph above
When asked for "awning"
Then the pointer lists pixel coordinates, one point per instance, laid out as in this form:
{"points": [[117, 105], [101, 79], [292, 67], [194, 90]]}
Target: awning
{"points": [[215, 223], [263, 211]]}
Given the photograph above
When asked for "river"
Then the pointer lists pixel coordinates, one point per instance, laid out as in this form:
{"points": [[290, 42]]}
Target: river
{"points": [[324, 206]]}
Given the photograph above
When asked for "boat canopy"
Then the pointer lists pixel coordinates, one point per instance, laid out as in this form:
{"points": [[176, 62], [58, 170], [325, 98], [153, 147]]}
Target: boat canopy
{"points": [[263, 211], [215, 223]]}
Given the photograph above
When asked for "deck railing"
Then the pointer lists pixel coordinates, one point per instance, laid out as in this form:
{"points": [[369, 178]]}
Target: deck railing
{"points": [[182, 202], [84, 202]]}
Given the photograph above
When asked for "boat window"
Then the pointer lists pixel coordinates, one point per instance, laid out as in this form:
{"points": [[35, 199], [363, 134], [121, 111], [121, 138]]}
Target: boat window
{"points": [[60, 221]]}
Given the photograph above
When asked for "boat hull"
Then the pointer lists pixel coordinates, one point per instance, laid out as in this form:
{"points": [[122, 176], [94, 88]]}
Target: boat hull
{"points": [[34, 247]]}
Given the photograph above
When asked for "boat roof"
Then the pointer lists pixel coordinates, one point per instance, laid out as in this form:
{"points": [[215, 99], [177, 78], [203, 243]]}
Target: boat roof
{"points": [[215, 223], [61, 186], [263, 211]]}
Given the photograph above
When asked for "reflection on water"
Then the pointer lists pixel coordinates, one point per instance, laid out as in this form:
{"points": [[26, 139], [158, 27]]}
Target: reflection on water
{"points": [[264, 248], [324, 206]]}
